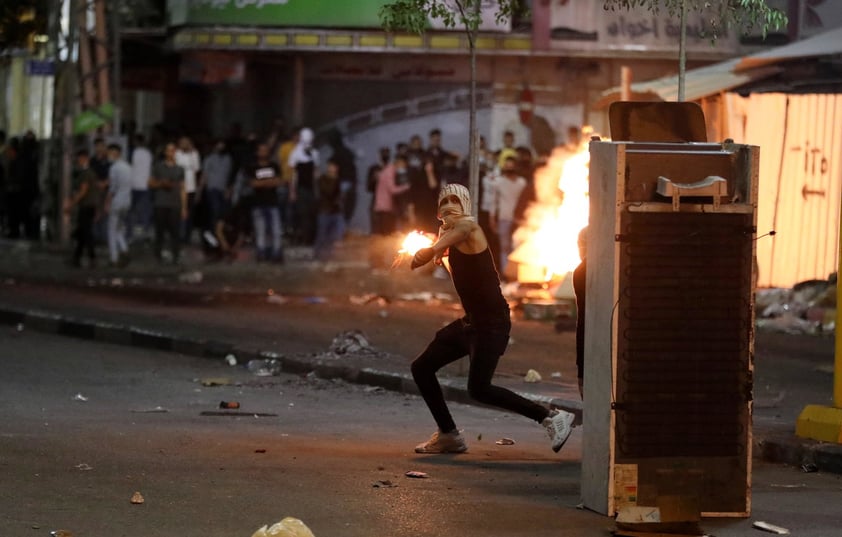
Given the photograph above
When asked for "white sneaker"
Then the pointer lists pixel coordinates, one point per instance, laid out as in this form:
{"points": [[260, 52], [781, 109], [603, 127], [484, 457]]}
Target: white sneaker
{"points": [[558, 424], [443, 443]]}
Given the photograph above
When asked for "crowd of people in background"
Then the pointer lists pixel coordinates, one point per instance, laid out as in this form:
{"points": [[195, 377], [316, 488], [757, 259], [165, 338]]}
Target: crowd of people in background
{"points": [[218, 195], [170, 191]]}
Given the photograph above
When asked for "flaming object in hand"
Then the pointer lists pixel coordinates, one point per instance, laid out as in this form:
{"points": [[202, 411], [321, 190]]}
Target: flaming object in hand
{"points": [[414, 241]]}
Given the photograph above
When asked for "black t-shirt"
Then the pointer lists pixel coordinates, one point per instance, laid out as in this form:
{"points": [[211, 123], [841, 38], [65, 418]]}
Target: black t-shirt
{"points": [[265, 197], [100, 166]]}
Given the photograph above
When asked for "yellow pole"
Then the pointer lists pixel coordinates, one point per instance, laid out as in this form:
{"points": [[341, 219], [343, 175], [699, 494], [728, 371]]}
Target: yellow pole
{"points": [[837, 367]]}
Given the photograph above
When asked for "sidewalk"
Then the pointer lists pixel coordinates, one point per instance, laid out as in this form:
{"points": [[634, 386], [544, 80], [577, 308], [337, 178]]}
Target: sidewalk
{"points": [[303, 281]]}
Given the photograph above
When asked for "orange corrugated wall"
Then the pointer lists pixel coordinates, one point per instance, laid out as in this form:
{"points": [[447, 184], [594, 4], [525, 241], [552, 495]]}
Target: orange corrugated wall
{"points": [[800, 191]]}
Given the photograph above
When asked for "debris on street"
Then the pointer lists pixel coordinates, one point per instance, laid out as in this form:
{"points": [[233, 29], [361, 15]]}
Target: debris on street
{"points": [[233, 405], [83, 467], [368, 298], [808, 308], [351, 342], [264, 367], [81, 398], [288, 527], [505, 442], [137, 498], [383, 484], [532, 376], [809, 468], [276, 299], [231, 360], [417, 475], [427, 297], [216, 381], [19, 327], [153, 410], [771, 528], [61, 533]]}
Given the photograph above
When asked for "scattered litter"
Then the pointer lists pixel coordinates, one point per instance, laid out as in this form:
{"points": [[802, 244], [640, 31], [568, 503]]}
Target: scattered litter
{"points": [[229, 404], [426, 297], [19, 327], [137, 498], [315, 300], [797, 486], [505, 442], [116, 282], [80, 397], [288, 527], [555, 375], [383, 313], [374, 389], [771, 528], [153, 410], [276, 299], [580, 506], [264, 368], [191, 277], [532, 376], [216, 381], [368, 298], [351, 342], [383, 484], [231, 360], [260, 450], [61, 533], [417, 475], [809, 468], [83, 467], [235, 413], [808, 308]]}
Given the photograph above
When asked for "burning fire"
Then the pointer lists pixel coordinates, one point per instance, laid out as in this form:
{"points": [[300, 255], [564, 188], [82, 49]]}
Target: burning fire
{"points": [[414, 241], [547, 243]]}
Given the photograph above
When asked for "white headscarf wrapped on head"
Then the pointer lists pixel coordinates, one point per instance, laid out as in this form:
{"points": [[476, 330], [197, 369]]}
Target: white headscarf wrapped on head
{"points": [[460, 192]]}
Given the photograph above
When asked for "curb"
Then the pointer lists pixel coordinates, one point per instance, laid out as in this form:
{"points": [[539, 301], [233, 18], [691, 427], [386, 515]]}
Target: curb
{"points": [[105, 332], [772, 447]]}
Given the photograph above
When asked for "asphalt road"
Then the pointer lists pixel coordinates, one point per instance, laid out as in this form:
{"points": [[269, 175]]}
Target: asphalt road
{"points": [[74, 465]]}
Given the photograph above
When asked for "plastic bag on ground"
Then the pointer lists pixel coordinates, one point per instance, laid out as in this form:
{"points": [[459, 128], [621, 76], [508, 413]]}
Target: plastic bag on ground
{"points": [[288, 527]]}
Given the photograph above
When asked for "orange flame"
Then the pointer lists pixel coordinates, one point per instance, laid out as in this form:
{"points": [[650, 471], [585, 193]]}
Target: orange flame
{"points": [[547, 243], [414, 241]]}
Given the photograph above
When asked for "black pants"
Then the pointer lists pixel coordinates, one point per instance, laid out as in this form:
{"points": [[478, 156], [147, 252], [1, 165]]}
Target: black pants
{"points": [[168, 221], [84, 233], [484, 344]]}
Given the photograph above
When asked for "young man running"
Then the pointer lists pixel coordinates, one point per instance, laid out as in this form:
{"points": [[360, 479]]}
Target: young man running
{"points": [[482, 334]]}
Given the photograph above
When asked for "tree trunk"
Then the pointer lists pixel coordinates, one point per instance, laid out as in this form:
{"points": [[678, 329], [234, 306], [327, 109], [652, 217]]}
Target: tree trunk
{"points": [[682, 52], [473, 141]]}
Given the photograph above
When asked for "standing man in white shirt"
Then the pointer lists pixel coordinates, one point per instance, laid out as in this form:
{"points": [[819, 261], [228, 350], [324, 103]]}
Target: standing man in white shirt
{"points": [[187, 157], [118, 202], [140, 216], [508, 190]]}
